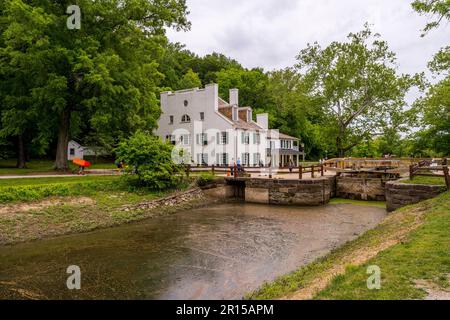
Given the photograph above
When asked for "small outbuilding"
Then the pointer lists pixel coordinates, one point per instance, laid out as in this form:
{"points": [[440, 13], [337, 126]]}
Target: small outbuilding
{"points": [[75, 150]]}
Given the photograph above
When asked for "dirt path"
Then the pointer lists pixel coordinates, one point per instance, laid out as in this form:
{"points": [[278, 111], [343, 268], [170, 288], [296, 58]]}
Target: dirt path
{"points": [[11, 209], [396, 231]]}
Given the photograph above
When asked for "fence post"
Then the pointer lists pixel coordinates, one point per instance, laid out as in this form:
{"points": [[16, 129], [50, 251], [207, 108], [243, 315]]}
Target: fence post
{"points": [[270, 171], [300, 172], [212, 169], [188, 168], [321, 170], [312, 171], [411, 172], [446, 177]]}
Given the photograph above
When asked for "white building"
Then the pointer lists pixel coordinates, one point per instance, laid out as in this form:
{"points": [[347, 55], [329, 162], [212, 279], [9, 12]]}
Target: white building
{"points": [[76, 150], [212, 131]]}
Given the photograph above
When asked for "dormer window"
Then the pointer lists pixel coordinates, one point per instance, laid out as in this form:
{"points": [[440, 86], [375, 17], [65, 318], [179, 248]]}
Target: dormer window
{"points": [[185, 119]]}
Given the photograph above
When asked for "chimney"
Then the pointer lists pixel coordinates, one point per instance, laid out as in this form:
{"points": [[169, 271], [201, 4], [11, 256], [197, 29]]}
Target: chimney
{"points": [[262, 120], [234, 97]]}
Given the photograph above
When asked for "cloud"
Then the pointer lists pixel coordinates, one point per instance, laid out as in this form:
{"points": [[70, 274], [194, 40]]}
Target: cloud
{"points": [[270, 33]]}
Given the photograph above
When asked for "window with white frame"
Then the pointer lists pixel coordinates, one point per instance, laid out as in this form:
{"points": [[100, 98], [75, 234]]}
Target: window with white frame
{"points": [[185, 139], [222, 137], [185, 119], [170, 119], [222, 159], [202, 159], [256, 138], [245, 137], [202, 116], [246, 159], [202, 139], [256, 159]]}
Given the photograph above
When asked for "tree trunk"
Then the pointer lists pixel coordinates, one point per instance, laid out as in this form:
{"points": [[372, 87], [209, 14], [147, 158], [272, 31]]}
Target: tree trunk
{"points": [[339, 146], [21, 161], [61, 162]]}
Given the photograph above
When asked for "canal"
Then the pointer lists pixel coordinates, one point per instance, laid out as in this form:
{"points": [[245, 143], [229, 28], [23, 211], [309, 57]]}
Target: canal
{"points": [[218, 252]]}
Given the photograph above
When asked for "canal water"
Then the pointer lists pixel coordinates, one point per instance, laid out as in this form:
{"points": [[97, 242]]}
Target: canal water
{"points": [[219, 252]]}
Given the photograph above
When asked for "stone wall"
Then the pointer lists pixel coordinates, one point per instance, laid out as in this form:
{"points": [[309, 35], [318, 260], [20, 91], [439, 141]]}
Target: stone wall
{"points": [[360, 188], [400, 194], [290, 192], [218, 189]]}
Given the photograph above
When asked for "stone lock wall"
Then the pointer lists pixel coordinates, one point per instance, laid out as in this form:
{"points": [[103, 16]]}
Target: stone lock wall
{"points": [[360, 188], [400, 194], [290, 192]]}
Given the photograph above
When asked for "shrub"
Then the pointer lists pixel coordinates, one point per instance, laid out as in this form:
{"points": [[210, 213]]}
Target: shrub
{"points": [[204, 178], [151, 160]]}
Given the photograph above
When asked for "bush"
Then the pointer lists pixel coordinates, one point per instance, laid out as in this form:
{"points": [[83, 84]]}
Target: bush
{"points": [[151, 160], [205, 178]]}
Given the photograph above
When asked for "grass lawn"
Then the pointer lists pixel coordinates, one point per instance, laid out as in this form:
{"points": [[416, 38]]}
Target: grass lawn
{"points": [[411, 244], [55, 180], [426, 180], [8, 167]]}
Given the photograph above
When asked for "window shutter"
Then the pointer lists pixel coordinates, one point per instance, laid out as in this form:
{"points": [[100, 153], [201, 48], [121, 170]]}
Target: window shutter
{"points": [[227, 140], [217, 159], [217, 138], [226, 158]]}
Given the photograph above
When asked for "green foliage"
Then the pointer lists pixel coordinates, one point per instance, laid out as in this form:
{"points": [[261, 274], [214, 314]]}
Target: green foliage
{"points": [[37, 189], [437, 9], [357, 85], [151, 159], [204, 178], [100, 80], [189, 80]]}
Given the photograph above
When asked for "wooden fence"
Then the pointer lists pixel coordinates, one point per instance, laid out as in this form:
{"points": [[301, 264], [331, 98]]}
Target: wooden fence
{"points": [[315, 170], [420, 170]]}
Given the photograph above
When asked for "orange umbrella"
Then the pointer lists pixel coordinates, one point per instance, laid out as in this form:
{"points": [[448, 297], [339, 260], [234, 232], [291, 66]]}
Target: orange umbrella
{"points": [[81, 163]]}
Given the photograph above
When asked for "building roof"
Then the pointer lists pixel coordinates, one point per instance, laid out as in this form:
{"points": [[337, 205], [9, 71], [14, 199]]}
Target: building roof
{"points": [[241, 124], [283, 136]]}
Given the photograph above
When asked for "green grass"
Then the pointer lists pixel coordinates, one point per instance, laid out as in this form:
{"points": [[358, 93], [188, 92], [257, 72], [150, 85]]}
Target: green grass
{"points": [[425, 180], [8, 167], [378, 204], [16, 190], [422, 254], [55, 180]]}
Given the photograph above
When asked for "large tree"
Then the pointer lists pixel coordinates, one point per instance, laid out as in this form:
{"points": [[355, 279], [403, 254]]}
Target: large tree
{"points": [[438, 10], [358, 85], [104, 75]]}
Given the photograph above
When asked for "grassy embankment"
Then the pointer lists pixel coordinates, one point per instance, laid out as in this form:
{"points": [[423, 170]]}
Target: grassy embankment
{"points": [[8, 167], [412, 243], [41, 207], [425, 180]]}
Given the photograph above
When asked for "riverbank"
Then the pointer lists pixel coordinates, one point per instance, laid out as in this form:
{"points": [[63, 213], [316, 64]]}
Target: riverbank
{"points": [[40, 209], [410, 246]]}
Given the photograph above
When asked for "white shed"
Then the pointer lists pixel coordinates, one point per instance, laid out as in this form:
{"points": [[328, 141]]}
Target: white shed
{"points": [[75, 150]]}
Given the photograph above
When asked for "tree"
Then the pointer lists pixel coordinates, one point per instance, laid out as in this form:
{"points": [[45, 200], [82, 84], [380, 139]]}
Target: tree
{"points": [[151, 159], [252, 85], [357, 83], [438, 9], [189, 80], [104, 74]]}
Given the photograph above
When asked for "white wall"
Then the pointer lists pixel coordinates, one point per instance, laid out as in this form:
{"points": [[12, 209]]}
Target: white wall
{"points": [[76, 148]]}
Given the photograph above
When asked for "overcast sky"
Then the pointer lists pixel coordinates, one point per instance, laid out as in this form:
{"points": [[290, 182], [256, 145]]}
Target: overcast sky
{"points": [[270, 33]]}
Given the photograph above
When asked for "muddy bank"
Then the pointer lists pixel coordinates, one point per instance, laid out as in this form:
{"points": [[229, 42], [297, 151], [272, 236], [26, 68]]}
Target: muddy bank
{"points": [[216, 252]]}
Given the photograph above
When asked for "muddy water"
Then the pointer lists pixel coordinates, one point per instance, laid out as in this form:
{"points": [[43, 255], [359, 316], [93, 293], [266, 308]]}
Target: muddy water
{"points": [[219, 252]]}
